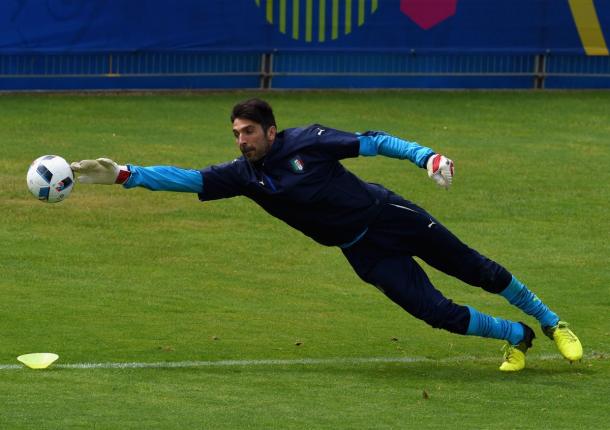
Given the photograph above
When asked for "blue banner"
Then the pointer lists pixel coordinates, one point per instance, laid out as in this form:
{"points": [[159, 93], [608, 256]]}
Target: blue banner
{"points": [[427, 26]]}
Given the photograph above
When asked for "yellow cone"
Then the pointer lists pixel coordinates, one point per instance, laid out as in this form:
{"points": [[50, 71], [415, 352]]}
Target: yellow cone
{"points": [[38, 360]]}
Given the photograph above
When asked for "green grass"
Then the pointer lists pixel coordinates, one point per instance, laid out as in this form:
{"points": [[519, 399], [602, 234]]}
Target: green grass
{"points": [[114, 275]]}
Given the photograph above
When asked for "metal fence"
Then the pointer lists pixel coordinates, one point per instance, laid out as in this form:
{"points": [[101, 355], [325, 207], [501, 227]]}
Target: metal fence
{"points": [[301, 70]]}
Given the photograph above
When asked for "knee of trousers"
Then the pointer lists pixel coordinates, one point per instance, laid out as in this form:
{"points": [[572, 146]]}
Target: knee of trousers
{"points": [[482, 272], [437, 311], [449, 316]]}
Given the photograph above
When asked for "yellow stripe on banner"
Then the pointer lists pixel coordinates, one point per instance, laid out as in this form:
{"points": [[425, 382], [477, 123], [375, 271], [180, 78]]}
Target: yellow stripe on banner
{"points": [[348, 16], [308, 20], [589, 30], [283, 16], [295, 19], [258, 2], [335, 32], [270, 11], [374, 5], [360, 12], [322, 21]]}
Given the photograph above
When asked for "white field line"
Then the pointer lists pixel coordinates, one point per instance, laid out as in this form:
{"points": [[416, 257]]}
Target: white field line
{"points": [[293, 362]]}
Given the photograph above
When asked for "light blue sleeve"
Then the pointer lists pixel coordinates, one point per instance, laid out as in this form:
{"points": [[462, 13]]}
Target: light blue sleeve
{"points": [[374, 142], [165, 178]]}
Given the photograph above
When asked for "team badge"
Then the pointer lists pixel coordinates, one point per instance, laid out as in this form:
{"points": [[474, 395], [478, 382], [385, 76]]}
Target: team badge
{"points": [[297, 165]]}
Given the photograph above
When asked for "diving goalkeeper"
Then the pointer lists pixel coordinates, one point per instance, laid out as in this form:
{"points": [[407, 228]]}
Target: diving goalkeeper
{"points": [[296, 176]]}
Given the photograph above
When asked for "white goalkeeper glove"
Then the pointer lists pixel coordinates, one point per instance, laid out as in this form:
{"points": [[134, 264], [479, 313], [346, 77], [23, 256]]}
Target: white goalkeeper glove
{"points": [[440, 168], [100, 171]]}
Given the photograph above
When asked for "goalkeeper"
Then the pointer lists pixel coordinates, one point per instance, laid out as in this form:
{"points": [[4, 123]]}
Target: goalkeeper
{"points": [[296, 176]]}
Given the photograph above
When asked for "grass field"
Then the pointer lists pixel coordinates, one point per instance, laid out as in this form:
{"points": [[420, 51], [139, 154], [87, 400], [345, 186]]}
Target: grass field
{"points": [[265, 328]]}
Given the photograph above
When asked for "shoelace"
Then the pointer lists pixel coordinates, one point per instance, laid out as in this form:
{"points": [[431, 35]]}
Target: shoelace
{"points": [[567, 333], [508, 349]]}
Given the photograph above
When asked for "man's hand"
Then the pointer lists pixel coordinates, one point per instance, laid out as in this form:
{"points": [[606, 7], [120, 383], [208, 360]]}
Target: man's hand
{"points": [[100, 171], [440, 168]]}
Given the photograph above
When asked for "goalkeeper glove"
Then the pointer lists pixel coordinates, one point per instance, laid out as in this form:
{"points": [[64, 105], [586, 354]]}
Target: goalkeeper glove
{"points": [[100, 171], [440, 168]]}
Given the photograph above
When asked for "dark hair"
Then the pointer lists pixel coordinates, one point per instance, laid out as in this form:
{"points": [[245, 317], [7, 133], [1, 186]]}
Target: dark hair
{"points": [[256, 110]]}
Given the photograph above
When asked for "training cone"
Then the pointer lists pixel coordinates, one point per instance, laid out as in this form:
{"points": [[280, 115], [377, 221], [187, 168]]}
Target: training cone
{"points": [[38, 360]]}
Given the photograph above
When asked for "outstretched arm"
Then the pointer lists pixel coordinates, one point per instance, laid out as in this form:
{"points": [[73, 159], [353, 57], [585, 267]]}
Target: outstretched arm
{"points": [[439, 167], [155, 178]]}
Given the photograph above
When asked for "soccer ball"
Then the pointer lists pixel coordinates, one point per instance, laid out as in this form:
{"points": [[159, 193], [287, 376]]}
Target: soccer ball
{"points": [[50, 178]]}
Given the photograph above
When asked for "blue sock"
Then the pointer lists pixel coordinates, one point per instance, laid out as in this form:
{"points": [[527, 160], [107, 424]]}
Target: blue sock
{"points": [[519, 295], [497, 328]]}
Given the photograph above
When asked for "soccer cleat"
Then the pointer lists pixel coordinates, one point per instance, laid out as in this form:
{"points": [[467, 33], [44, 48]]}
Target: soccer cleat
{"points": [[514, 355], [566, 341]]}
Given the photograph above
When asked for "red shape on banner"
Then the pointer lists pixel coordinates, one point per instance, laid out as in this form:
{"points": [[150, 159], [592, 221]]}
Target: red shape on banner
{"points": [[428, 13]]}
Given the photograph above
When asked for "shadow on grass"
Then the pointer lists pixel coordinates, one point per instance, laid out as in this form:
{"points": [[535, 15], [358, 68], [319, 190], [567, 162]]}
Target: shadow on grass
{"points": [[471, 372]]}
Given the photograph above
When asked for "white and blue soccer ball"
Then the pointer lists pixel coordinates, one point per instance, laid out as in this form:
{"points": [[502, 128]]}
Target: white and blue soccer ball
{"points": [[50, 178]]}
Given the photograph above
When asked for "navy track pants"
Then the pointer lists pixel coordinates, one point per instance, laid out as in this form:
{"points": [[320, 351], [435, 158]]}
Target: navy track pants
{"points": [[384, 258]]}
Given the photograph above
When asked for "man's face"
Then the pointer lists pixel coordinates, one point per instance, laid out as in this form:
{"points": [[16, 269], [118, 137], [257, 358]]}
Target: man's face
{"points": [[251, 140]]}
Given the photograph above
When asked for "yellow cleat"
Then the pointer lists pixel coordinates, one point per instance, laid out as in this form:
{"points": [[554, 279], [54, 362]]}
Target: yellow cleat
{"points": [[514, 355], [566, 341], [514, 359]]}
